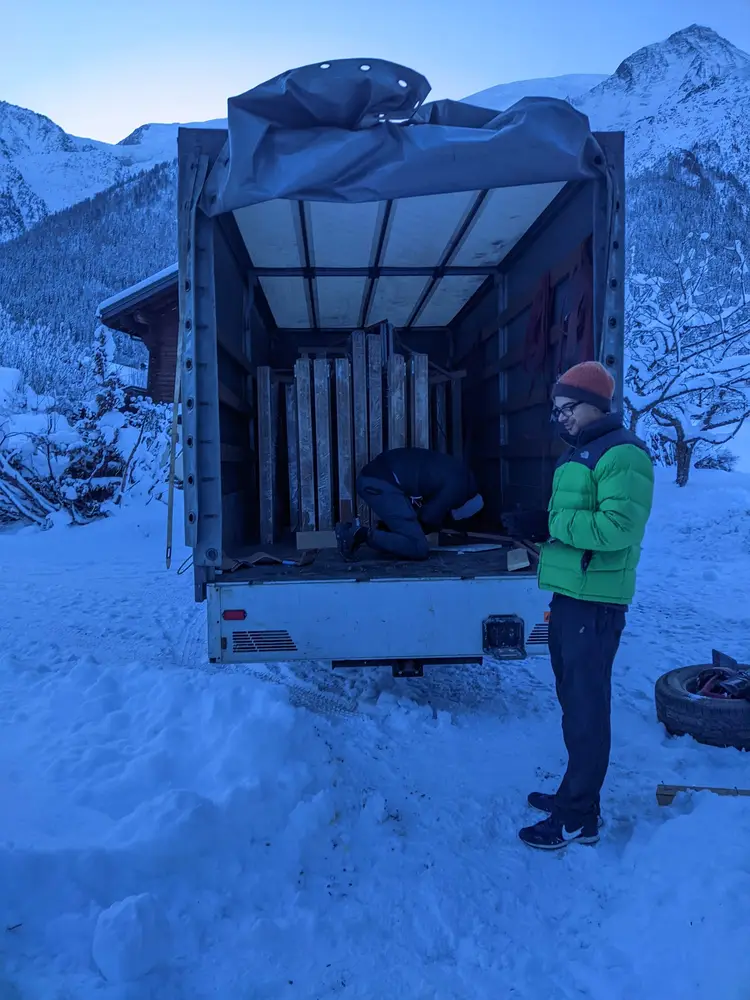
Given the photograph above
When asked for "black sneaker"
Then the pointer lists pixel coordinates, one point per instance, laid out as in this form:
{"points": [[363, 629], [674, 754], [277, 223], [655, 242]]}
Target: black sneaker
{"points": [[545, 802], [542, 801], [350, 535], [553, 835]]}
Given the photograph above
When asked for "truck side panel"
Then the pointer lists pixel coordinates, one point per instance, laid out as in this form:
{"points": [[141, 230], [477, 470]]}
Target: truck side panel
{"points": [[200, 417], [509, 440]]}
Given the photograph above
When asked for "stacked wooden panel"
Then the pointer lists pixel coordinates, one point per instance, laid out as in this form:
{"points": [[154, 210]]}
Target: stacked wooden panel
{"points": [[341, 412]]}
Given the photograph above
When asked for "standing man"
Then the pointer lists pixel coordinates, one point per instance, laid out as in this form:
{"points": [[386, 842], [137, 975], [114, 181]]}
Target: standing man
{"points": [[601, 501], [412, 492]]}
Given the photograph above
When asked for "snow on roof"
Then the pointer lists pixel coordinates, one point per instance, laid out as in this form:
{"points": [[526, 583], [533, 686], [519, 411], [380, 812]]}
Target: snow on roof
{"points": [[135, 294]]}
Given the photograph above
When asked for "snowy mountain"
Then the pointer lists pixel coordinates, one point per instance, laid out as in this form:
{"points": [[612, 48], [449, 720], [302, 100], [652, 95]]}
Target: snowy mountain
{"points": [[690, 92], [566, 88], [683, 103], [43, 169]]}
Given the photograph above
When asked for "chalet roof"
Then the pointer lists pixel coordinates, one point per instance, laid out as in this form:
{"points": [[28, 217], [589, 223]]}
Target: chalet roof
{"points": [[138, 294]]}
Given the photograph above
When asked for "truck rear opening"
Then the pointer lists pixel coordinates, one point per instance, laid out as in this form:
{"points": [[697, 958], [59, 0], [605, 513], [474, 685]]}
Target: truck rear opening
{"points": [[466, 305]]}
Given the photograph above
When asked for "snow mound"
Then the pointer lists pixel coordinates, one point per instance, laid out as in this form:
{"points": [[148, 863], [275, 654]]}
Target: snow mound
{"points": [[172, 830], [130, 939]]}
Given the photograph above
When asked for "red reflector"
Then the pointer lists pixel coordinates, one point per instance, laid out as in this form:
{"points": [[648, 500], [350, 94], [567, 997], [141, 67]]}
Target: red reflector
{"points": [[234, 616]]}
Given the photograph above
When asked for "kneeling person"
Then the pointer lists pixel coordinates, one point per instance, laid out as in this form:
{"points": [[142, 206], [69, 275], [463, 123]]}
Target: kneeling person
{"points": [[412, 492]]}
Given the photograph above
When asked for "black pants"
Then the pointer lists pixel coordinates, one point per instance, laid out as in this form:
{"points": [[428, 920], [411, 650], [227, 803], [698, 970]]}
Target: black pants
{"points": [[404, 537], [583, 640]]}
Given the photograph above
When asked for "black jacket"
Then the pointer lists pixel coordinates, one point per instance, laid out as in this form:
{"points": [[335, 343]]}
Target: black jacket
{"points": [[441, 481]]}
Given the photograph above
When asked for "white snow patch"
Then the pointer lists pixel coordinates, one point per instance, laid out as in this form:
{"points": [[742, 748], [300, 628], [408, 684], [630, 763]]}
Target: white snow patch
{"points": [[567, 87], [130, 939], [172, 830]]}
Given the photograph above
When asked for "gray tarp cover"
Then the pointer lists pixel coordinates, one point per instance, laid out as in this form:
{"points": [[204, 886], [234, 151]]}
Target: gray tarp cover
{"points": [[343, 133]]}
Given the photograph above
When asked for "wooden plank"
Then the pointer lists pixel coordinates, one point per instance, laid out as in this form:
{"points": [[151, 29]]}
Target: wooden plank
{"points": [[237, 454], [457, 428], [266, 454], [396, 373], [344, 442], [440, 415], [305, 440], [290, 398], [359, 408], [232, 400], [323, 457], [419, 401], [665, 794], [374, 394], [316, 540], [233, 352]]}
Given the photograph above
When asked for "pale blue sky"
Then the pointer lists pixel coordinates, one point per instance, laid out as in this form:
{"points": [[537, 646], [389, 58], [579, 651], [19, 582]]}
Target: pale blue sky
{"points": [[101, 68]]}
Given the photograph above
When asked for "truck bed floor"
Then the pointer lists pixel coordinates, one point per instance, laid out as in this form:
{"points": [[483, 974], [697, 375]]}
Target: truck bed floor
{"points": [[327, 564]]}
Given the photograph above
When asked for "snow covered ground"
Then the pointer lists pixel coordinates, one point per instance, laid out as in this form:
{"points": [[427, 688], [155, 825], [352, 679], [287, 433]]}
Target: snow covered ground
{"points": [[169, 830]]}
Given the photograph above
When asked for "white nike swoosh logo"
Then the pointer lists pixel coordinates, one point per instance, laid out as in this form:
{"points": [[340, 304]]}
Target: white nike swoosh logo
{"points": [[571, 836]]}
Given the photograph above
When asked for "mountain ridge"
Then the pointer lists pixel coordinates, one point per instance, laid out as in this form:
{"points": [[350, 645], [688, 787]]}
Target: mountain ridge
{"points": [[683, 104]]}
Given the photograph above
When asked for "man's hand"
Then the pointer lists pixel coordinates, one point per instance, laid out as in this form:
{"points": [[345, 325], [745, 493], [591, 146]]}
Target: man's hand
{"points": [[530, 524]]}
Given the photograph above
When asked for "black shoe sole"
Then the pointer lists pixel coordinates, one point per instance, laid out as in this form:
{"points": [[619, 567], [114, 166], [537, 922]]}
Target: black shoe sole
{"points": [[586, 841]]}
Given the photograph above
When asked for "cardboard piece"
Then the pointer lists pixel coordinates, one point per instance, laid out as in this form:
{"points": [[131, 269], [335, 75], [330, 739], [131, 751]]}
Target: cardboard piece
{"points": [[316, 540]]}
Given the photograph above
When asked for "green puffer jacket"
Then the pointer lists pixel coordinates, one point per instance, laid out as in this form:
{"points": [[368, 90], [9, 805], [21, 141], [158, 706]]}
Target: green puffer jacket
{"points": [[601, 500]]}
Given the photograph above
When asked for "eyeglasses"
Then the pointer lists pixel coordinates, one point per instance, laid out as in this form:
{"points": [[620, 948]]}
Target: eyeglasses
{"points": [[567, 410]]}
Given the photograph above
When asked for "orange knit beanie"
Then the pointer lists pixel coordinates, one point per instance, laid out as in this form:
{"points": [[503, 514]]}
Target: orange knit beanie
{"points": [[588, 382]]}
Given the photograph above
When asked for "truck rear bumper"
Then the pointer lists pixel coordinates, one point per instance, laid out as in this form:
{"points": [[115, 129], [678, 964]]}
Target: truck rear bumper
{"points": [[347, 622]]}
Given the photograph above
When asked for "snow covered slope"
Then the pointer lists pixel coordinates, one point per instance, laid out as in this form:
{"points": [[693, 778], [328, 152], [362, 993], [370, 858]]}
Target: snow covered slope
{"points": [[170, 831], [690, 92], [564, 87], [43, 169]]}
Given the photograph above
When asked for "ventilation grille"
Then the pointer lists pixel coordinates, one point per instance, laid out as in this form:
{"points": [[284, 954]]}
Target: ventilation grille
{"points": [[271, 641], [539, 636]]}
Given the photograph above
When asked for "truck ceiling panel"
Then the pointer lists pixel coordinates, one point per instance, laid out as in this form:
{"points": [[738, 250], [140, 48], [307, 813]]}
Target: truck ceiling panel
{"points": [[395, 298], [503, 218], [421, 229], [340, 301], [449, 296], [310, 240], [343, 235], [287, 299], [271, 232]]}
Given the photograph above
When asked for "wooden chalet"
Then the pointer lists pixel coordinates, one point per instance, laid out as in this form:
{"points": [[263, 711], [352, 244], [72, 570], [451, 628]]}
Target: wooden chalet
{"points": [[149, 312]]}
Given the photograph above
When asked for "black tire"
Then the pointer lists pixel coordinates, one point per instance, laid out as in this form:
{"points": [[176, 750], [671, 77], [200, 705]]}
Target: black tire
{"points": [[718, 722]]}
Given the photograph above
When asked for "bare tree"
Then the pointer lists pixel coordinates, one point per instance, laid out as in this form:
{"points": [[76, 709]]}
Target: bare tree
{"points": [[688, 352], [82, 463]]}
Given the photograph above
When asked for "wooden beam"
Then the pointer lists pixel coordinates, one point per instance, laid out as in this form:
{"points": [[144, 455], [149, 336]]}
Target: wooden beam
{"points": [[396, 382], [266, 454], [440, 415], [359, 412], [374, 394], [344, 439], [290, 401], [323, 457], [419, 401], [303, 385], [665, 794]]}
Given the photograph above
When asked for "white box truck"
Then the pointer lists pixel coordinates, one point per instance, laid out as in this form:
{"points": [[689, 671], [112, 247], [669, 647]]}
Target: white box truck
{"points": [[492, 243]]}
